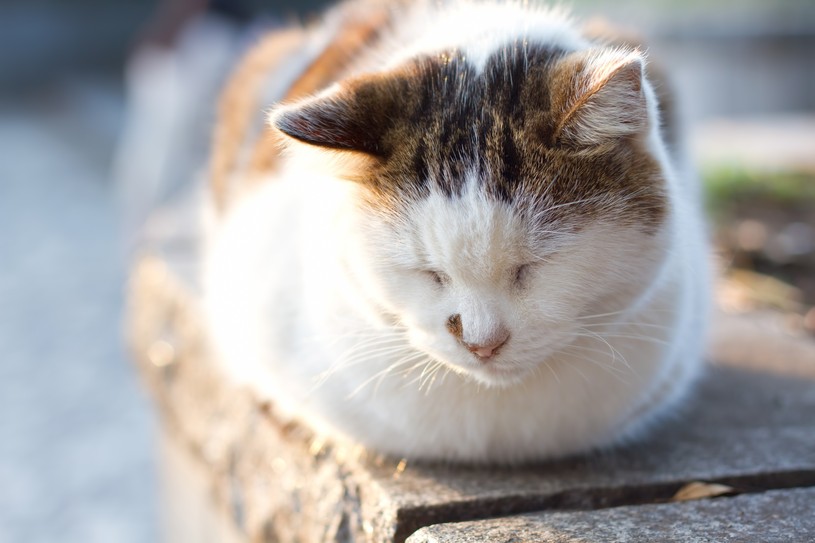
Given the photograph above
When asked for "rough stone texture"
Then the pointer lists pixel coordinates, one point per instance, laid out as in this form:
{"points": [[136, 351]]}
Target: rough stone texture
{"points": [[778, 516], [273, 480], [187, 512], [750, 429]]}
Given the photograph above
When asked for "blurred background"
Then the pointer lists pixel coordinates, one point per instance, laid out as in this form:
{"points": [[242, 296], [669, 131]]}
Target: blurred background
{"points": [[83, 83]]}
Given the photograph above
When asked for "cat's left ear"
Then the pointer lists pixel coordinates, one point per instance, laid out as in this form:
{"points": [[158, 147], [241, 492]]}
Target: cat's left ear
{"points": [[353, 116], [600, 96]]}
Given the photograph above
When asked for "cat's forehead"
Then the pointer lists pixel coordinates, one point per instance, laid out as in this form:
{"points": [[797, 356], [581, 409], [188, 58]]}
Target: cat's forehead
{"points": [[462, 115], [488, 126], [469, 232]]}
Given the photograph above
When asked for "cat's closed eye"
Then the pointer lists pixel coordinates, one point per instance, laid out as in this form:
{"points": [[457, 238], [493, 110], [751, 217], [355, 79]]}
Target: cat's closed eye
{"points": [[521, 274], [438, 277]]}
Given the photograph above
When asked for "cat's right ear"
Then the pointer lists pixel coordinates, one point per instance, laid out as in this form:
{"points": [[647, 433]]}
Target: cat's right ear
{"points": [[600, 96], [354, 116]]}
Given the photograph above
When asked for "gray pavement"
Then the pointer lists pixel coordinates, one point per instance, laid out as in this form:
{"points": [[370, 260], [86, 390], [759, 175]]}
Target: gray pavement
{"points": [[76, 452]]}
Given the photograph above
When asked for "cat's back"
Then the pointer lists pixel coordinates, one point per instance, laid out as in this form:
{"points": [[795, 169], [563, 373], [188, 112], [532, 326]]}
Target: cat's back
{"points": [[285, 65]]}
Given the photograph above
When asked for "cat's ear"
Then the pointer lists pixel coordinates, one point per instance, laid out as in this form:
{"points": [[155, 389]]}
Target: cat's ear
{"points": [[600, 96], [353, 116]]}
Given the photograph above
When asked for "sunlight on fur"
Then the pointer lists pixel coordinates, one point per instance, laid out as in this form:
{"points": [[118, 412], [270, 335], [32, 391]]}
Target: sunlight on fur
{"points": [[467, 245]]}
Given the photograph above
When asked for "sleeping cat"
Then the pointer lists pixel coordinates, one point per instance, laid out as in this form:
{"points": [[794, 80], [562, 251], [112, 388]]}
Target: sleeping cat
{"points": [[462, 237]]}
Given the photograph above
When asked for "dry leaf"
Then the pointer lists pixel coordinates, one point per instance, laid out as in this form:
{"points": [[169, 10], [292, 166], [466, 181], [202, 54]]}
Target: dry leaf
{"points": [[698, 490], [400, 468]]}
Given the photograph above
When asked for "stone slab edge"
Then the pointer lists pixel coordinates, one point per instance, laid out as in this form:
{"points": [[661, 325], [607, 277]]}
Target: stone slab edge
{"points": [[771, 517]]}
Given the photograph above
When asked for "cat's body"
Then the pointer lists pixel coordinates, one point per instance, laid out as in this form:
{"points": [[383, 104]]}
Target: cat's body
{"points": [[480, 249]]}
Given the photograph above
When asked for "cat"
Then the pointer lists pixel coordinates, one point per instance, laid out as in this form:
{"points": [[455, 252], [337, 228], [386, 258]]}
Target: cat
{"points": [[467, 234]]}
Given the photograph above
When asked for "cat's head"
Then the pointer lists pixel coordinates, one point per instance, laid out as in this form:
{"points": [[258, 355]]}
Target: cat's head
{"points": [[500, 203]]}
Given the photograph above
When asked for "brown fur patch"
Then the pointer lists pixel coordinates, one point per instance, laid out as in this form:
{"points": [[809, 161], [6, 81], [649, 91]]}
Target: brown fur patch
{"points": [[455, 327], [360, 25], [239, 105], [501, 124], [355, 36], [436, 120]]}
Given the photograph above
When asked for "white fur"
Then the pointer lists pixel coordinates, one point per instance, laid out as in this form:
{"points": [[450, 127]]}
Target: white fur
{"points": [[478, 28], [330, 312]]}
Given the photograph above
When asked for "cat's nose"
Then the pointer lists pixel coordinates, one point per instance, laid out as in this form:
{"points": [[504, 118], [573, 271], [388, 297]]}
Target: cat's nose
{"points": [[488, 349]]}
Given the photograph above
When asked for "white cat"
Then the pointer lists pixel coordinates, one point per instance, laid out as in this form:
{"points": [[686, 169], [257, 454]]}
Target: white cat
{"points": [[476, 247]]}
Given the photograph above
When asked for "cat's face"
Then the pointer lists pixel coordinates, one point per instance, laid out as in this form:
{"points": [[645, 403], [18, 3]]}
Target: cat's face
{"points": [[492, 294], [507, 200]]}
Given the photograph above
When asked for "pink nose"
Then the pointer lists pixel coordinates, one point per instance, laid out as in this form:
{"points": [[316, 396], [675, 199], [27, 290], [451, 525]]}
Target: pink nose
{"points": [[488, 349]]}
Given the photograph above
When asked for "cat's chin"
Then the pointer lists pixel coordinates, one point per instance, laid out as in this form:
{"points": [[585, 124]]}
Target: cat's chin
{"points": [[496, 375], [493, 374]]}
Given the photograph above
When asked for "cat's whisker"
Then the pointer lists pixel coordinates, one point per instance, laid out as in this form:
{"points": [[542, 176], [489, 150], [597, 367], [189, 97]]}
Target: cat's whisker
{"points": [[406, 373], [365, 348], [427, 364], [375, 341], [373, 358], [360, 358], [436, 372], [572, 203], [628, 325], [609, 314], [614, 372], [614, 351], [431, 376], [376, 359], [379, 375], [552, 371], [426, 374], [402, 373], [650, 339], [580, 372], [650, 311], [609, 367], [361, 334], [552, 232], [350, 358], [352, 355]]}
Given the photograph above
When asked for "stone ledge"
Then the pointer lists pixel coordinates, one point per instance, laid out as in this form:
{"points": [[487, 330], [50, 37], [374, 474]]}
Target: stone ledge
{"points": [[751, 429], [778, 516]]}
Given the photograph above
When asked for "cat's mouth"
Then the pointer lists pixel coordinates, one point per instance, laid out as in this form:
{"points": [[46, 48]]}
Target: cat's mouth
{"points": [[496, 371], [497, 374]]}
